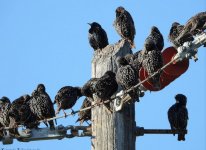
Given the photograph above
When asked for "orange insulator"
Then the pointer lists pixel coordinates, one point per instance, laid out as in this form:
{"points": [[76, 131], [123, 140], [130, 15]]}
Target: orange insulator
{"points": [[169, 74]]}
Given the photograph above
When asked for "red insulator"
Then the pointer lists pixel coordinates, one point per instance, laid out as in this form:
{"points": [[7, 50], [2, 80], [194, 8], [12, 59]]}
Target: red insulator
{"points": [[169, 74], [177, 68]]}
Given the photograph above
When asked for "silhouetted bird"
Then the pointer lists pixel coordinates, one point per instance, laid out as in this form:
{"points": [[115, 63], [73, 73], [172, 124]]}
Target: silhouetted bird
{"points": [[66, 98], [41, 105], [4, 117], [194, 25], [157, 37], [88, 88], [84, 115], [178, 115], [124, 25], [152, 62], [175, 31], [97, 36]]}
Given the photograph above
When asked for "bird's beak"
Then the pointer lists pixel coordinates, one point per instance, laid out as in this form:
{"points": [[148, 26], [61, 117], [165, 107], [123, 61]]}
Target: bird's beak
{"points": [[89, 24]]}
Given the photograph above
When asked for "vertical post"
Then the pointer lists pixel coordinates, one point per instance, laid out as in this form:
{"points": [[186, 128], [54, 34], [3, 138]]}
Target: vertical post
{"points": [[112, 131]]}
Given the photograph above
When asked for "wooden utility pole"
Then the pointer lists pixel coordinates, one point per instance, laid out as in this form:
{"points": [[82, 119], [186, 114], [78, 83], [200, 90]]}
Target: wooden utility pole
{"points": [[112, 131]]}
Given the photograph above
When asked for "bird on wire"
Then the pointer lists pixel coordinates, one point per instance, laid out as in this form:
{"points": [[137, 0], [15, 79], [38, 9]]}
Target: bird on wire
{"points": [[5, 104], [106, 86], [152, 62], [42, 106], [126, 76], [178, 115], [175, 31], [85, 115], [67, 97], [195, 25]]}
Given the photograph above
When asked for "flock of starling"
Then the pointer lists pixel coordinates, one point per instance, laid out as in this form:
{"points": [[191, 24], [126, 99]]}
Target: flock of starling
{"points": [[28, 110]]}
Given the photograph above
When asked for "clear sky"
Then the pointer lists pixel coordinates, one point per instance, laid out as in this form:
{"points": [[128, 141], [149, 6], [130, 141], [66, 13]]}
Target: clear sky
{"points": [[47, 42]]}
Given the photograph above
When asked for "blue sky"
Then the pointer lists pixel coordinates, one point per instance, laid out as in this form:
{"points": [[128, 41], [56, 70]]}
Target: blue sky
{"points": [[47, 42]]}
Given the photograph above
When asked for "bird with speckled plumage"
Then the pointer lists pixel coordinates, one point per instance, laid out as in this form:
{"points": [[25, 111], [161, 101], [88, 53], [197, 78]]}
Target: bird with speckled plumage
{"points": [[85, 115], [175, 31], [152, 62], [42, 106], [124, 25], [67, 97], [194, 26]]}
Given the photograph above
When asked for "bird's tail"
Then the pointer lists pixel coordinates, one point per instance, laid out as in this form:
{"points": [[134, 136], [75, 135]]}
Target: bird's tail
{"points": [[132, 44], [181, 137]]}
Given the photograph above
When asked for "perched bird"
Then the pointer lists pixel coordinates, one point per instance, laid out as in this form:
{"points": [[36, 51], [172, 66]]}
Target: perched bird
{"points": [[97, 36], [41, 105], [88, 87], [178, 115], [124, 25], [66, 98], [106, 86], [84, 115], [21, 114], [4, 116], [157, 37], [152, 61], [175, 31], [194, 25], [135, 60], [126, 75]]}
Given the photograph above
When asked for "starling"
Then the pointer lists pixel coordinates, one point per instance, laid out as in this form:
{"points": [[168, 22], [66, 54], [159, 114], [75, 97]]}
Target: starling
{"points": [[21, 114], [178, 115], [88, 88], [86, 114], [106, 86], [124, 25], [41, 105], [152, 62], [5, 117], [97, 36], [66, 98], [157, 37], [194, 25], [175, 31], [126, 75]]}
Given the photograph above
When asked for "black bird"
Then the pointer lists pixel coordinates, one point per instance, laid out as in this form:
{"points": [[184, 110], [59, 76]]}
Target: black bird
{"points": [[194, 25], [41, 105], [97, 36], [152, 62], [5, 116], [178, 115], [135, 60], [157, 37], [66, 98], [106, 86], [126, 75], [84, 115], [88, 87], [175, 31], [124, 25], [21, 114]]}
